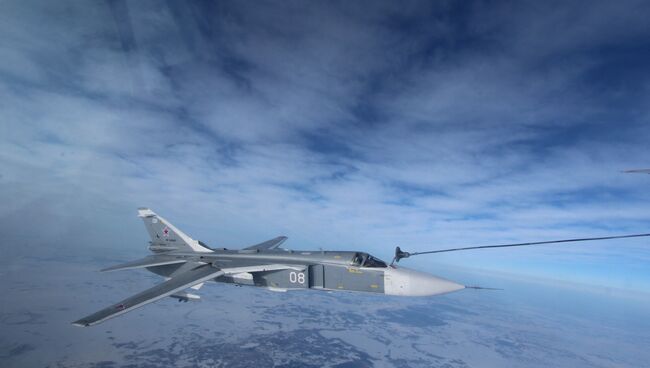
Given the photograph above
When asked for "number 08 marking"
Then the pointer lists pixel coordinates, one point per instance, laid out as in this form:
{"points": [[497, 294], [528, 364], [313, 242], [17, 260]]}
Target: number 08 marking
{"points": [[296, 277]]}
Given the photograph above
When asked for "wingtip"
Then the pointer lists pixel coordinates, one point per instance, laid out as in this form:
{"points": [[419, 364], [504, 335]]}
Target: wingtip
{"points": [[80, 323]]}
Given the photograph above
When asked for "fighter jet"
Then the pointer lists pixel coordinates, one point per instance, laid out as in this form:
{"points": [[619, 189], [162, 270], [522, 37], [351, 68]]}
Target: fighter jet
{"points": [[637, 171], [187, 263]]}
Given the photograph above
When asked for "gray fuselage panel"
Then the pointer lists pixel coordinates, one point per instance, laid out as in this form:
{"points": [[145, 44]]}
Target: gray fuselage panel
{"points": [[329, 270]]}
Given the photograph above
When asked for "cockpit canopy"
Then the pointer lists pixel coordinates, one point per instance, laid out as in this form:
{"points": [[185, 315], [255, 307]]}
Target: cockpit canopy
{"points": [[361, 259]]}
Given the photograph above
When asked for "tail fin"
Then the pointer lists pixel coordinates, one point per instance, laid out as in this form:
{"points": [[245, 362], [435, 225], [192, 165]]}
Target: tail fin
{"points": [[165, 236]]}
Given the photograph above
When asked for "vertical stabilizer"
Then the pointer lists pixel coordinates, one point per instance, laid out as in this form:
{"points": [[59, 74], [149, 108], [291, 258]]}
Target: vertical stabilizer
{"points": [[165, 236]]}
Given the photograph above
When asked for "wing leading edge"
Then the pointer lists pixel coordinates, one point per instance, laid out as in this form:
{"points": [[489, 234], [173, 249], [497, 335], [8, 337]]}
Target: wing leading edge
{"points": [[148, 261], [197, 275], [187, 279], [269, 244]]}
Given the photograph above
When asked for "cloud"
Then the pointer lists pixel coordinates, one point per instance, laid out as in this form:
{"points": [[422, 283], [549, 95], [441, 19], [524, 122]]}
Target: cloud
{"points": [[341, 125]]}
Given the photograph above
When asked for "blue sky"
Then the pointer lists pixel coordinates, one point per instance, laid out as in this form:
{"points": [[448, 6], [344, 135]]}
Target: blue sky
{"points": [[345, 126]]}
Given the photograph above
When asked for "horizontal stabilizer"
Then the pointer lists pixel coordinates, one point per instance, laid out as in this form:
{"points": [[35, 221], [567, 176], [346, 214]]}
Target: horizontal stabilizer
{"points": [[174, 285], [186, 297], [149, 261]]}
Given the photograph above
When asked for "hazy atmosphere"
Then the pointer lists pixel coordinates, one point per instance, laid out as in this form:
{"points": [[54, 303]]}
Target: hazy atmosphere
{"points": [[344, 126]]}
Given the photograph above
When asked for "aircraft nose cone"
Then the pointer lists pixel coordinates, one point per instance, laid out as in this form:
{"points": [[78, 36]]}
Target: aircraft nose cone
{"points": [[407, 282]]}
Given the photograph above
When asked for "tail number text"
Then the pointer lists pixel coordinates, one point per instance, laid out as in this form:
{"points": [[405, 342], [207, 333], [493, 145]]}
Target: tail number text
{"points": [[298, 277]]}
